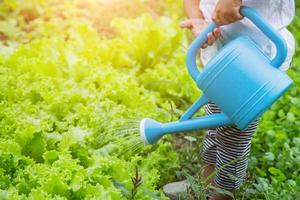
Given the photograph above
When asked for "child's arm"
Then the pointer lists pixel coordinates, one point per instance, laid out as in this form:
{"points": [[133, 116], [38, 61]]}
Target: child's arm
{"points": [[227, 12], [196, 22], [192, 10]]}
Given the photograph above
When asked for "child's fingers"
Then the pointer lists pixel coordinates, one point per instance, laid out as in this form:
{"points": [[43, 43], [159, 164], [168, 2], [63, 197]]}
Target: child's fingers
{"points": [[210, 39], [217, 33], [186, 24]]}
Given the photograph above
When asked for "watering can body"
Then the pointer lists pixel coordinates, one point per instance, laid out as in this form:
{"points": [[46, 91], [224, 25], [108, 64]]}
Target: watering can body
{"points": [[240, 79]]}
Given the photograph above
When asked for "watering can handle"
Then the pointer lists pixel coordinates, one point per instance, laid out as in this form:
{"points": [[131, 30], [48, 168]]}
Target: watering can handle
{"points": [[251, 14]]}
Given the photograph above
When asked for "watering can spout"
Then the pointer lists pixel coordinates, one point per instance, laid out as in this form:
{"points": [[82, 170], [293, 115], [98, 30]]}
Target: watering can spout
{"points": [[151, 131]]}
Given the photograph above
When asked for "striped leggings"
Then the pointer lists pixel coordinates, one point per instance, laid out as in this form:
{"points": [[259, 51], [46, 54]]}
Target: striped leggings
{"points": [[228, 149]]}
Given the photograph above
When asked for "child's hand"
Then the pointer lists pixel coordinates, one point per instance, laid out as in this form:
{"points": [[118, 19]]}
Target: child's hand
{"points": [[197, 25], [227, 12]]}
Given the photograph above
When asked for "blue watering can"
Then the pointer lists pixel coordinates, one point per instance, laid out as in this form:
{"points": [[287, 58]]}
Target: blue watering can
{"points": [[240, 79]]}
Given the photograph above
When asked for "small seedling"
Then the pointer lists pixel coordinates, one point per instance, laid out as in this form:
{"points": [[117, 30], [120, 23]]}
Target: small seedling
{"points": [[137, 182]]}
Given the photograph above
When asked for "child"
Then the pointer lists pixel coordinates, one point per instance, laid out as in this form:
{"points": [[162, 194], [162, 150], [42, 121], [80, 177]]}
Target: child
{"points": [[227, 148]]}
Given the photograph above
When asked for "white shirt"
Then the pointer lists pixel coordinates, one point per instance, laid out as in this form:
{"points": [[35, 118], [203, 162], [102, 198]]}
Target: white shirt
{"points": [[279, 13]]}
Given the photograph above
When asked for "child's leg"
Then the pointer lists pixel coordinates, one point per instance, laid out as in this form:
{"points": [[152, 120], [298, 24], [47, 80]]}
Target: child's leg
{"points": [[233, 147], [228, 148]]}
